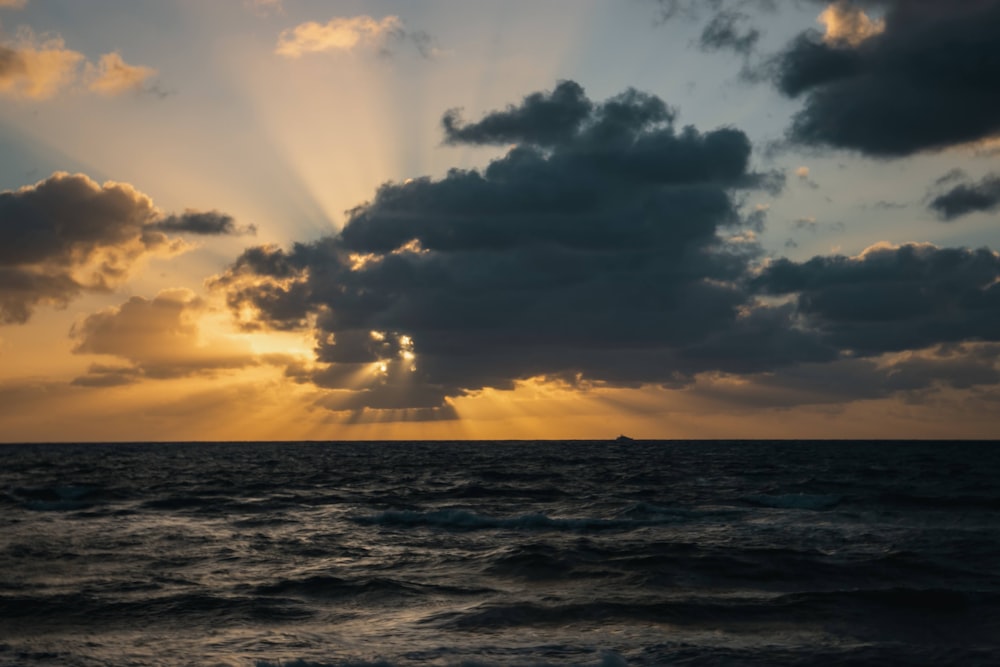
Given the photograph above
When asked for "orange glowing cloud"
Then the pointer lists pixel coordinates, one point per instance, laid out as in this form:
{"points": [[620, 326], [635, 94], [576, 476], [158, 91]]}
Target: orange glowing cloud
{"points": [[36, 68], [848, 24], [40, 67], [159, 338], [339, 34]]}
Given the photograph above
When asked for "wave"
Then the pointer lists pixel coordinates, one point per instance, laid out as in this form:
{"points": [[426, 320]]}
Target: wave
{"points": [[540, 562], [476, 490], [466, 520], [796, 501], [332, 587], [310, 663], [602, 659], [59, 498], [861, 607], [76, 607], [988, 501]]}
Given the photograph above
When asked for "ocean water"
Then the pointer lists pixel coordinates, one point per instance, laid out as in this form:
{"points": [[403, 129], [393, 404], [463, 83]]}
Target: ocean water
{"points": [[499, 553]]}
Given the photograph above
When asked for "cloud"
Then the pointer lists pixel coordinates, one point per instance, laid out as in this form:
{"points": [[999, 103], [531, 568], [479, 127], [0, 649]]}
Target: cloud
{"points": [[357, 33], [36, 68], [206, 223], [13, 4], [848, 24], [803, 175], [596, 249], [160, 338], [950, 176], [923, 77], [67, 235], [39, 68], [692, 9], [607, 248], [113, 76], [966, 198], [723, 32], [542, 118], [890, 299], [917, 375], [631, 135]]}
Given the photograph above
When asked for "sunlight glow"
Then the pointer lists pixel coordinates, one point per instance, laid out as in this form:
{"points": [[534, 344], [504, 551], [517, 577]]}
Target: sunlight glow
{"points": [[359, 262]]}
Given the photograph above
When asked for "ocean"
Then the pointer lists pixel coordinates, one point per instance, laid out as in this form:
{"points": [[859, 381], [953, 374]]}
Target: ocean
{"points": [[598, 554]]}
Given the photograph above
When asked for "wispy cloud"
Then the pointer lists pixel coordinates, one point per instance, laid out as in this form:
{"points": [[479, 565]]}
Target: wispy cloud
{"points": [[112, 75], [724, 32]]}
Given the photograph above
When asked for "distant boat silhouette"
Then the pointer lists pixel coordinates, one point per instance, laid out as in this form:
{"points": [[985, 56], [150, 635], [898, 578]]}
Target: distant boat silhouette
{"points": [[624, 438]]}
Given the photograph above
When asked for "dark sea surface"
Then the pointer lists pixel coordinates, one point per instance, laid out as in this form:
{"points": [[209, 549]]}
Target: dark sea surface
{"points": [[497, 553]]}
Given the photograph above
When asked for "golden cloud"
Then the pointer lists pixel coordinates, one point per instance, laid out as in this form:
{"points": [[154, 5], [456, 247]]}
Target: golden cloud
{"points": [[848, 24], [339, 34], [37, 68], [40, 67], [161, 338]]}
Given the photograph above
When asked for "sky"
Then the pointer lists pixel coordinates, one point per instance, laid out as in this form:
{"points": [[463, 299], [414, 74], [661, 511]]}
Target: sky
{"points": [[440, 219]]}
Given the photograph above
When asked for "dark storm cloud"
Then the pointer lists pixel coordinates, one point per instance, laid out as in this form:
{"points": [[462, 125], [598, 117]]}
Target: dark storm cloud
{"points": [[892, 299], [595, 246], [925, 79], [68, 235], [724, 32], [916, 377], [610, 251], [65, 217], [207, 223], [542, 118], [966, 198]]}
